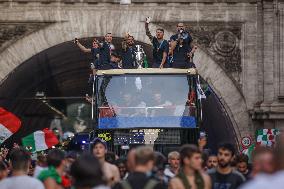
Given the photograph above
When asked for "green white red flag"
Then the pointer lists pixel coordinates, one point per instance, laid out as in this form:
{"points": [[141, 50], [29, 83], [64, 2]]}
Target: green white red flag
{"points": [[266, 137], [248, 151], [40, 140], [9, 124]]}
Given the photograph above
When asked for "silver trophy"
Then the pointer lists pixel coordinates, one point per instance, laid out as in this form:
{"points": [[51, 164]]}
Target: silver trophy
{"points": [[140, 54]]}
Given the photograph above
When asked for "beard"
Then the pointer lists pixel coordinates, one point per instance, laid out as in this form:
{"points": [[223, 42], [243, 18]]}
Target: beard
{"points": [[209, 166], [223, 164]]}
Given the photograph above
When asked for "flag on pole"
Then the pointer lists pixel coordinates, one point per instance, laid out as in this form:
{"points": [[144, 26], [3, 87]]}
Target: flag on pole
{"points": [[248, 151], [200, 92], [9, 124], [40, 140]]}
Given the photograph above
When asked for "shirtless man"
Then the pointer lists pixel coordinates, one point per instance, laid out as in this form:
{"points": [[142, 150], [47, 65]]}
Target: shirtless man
{"points": [[191, 175], [111, 172]]}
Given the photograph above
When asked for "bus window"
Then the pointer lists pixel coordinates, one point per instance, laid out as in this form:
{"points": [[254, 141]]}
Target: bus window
{"points": [[146, 101]]}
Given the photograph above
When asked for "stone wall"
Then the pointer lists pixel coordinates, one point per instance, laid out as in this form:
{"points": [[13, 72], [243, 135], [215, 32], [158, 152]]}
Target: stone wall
{"points": [[268, 111]]}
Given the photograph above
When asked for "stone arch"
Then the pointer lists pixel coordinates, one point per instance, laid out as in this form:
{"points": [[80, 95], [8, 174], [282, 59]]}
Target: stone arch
{"points": [[60, 32], [229, 95]]}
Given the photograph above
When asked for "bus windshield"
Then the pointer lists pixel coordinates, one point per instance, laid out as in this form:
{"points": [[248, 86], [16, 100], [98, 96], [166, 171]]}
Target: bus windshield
{"points": [[146, 101]]}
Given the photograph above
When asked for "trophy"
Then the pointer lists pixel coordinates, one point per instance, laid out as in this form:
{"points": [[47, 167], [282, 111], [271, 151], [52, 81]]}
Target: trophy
{"points": [[140, 54]]}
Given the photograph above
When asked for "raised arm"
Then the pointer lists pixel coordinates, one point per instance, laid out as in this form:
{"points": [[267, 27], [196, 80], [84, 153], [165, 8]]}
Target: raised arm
{"points": [[148, 33], [82, 48]]}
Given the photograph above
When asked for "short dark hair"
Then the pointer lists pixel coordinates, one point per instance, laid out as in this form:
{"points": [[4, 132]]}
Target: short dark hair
{"points": [[87, 172], [227, 146], [131, 36], [20, 159], [55, 157], [41, 158], [120, 161], [143, 155], [160, 160], [108, 33], [187, 151], [242, 158], [160, 29]]}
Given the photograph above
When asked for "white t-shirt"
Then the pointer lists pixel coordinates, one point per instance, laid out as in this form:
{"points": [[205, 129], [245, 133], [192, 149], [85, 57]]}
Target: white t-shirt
{"points": [[22, 182], [169, 173]]}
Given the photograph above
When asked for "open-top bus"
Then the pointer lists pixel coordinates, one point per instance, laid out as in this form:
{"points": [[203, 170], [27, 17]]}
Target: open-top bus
{"points": [[157, 107]]}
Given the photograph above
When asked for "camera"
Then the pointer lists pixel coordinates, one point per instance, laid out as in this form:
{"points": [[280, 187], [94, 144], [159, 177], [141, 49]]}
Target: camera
{"points": [[92, 65], [148, 19]]}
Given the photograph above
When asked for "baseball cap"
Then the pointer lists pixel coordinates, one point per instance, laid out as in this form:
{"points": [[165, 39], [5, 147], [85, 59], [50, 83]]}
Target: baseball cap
{"points": [[98, 140]]}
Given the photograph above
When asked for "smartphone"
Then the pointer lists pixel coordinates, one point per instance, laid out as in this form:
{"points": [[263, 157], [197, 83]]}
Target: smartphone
{"points": [[202, 134]]}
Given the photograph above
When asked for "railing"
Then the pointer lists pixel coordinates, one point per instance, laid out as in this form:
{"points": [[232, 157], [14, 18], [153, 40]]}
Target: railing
{"points": [[135, 1], [145, 109]]}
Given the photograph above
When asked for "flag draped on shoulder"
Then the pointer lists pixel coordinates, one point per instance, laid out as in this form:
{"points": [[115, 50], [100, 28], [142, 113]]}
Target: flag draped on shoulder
{"points": [[9, 124], [40, 140]]}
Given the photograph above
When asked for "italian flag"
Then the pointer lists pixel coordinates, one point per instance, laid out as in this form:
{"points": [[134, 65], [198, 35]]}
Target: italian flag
{"points": [[9, 124], [248, 151], [40, 140]]}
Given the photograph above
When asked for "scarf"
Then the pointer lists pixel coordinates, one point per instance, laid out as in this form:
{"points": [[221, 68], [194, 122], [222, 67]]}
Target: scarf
{"points": [[198, 180]]}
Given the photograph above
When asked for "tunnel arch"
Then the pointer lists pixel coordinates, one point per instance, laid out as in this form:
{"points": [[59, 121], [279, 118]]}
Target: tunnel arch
{"points": [[39, 42]]}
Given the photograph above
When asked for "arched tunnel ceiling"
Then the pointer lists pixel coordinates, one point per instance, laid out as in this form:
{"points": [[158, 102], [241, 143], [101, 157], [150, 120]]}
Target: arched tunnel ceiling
{"points": [[63, 71], [60, 71]]}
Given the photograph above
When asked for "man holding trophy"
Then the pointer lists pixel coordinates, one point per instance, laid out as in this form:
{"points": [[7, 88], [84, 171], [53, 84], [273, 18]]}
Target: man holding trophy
{"points": [[160, 46], [128, 52]]}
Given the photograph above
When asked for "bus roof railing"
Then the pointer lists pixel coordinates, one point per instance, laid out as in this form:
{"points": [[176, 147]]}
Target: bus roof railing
{"points": [[190, 71]]}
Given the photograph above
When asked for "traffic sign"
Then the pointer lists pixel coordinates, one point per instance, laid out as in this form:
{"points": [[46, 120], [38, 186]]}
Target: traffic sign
{"points": [[246, 141]]}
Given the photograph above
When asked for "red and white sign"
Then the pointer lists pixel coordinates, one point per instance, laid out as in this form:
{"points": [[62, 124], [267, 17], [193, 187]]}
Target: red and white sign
{"points": [[246, 142]]}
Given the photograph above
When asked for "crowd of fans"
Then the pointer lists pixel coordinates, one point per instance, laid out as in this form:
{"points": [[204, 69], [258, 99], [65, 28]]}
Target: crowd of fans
{"points": [[190, 167]]}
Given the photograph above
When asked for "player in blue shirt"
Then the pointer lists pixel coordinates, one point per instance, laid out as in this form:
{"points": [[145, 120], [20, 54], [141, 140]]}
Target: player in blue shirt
{"points": [[181, 48], [101, 52], [128, 52], [160, 46]]}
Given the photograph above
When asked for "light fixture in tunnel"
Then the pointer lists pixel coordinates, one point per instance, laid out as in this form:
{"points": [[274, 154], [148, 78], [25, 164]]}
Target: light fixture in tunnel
{"points": [[42, 97], [125, 2]]}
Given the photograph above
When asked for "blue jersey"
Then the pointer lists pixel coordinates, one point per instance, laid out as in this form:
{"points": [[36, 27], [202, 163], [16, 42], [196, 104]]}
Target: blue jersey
{"points": [[182, 48], [128, 58], [158, 49]]}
